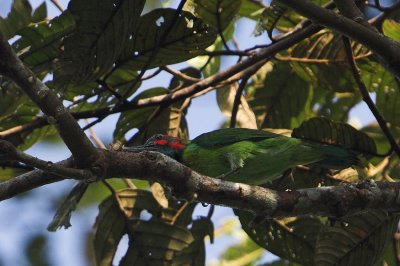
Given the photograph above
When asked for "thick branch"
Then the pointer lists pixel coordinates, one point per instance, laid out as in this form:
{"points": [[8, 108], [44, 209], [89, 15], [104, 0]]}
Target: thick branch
{"points": [[387, 49], [329, 201], [68, 128], [185, 183], [29, 181]]}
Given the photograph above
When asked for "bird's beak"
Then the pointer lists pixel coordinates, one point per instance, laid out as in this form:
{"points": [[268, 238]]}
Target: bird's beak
{"points": [[148, 147]]}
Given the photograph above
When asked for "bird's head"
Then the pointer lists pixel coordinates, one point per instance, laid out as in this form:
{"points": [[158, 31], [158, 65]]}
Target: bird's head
{"points": [[170, 146]]}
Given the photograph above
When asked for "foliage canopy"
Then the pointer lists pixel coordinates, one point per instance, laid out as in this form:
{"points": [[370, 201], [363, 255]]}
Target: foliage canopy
{"points": [[96, 55]]}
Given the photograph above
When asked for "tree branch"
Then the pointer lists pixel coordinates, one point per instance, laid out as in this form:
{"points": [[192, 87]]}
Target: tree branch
{"points": [[190, 90], [385, 48], [334, 201], [30, 180], [68, 128]]}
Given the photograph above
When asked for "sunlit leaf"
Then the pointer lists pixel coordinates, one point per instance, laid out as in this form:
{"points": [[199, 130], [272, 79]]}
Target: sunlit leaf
{"points": [[218, 13], [270, 16], [391, 29], [247, 252], [250, 9]]}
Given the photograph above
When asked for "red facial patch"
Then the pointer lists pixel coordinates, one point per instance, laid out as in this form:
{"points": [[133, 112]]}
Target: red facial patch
{"points": [[177, 145], [161, 142]]}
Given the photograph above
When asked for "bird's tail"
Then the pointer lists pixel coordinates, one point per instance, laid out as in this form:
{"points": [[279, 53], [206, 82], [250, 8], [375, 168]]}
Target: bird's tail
{"points": [[339, 157]]}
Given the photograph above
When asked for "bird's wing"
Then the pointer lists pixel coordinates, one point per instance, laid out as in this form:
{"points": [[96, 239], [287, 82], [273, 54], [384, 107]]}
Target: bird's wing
{"points": [[228, 136]]}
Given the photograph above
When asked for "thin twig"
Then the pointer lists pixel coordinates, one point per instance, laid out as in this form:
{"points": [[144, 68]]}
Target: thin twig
{"points": [[219, 26], [57, 4], [152, 75], [110, 89], [237, 100], [180, 75], [35, 123], [179, 212], [367, 99], [211, 211]]}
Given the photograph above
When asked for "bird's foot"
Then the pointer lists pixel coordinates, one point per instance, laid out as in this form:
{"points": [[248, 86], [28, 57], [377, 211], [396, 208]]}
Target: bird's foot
{"points": [[231, 172]]}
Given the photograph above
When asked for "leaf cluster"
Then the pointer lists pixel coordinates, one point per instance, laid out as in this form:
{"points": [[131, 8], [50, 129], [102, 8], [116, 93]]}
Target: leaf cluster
{"points": [[97, 56]]}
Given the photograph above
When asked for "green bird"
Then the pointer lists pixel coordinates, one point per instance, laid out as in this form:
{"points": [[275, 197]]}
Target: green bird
{"points": [[247, 155]]}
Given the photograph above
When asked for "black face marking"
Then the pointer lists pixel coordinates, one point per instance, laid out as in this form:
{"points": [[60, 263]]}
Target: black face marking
{"points": [[154, 138]]}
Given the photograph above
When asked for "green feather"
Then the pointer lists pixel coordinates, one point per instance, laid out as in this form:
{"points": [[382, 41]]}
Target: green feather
{"points": [[226, 136], [258, 156]]}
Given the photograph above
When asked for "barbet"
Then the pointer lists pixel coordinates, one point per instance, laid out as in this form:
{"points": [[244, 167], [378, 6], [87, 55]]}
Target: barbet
{"points": [[247, 155]]}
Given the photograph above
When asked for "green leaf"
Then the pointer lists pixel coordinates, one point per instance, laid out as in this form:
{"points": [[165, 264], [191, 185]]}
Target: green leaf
{"points": [[17, 109], [323, 130], [375, 133], [280, 98], [358, 239], [122, 81], [300, 178], [391, 29], [111, 223], [163, 37], [292, 238], [269, 17], [210, 66], [250, 9], [335, 105], [155, 243], [40, 43], [195, 253], [247, 252], [40, 13], [325, 76], [217, 13], [18, 18], [377, 79], [153, 240], [138, 117], [32, 137], [62, 216], [101, 26], [319, 60], [245, 117], [390, 255]]}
